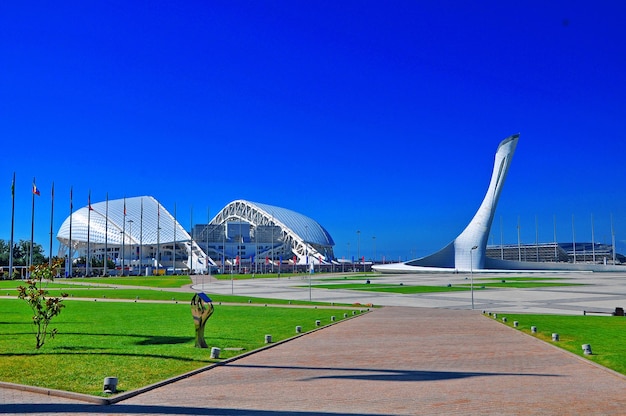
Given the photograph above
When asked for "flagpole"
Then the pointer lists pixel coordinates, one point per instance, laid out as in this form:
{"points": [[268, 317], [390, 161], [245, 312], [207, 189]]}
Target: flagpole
{"points": [[51, 224], [141, 238], [191, 241], [88, 233], [32, 230], [69, 259], [158, 260], [123, 236], [208, 265], [174, 250], [106, 236], [12, 226]]}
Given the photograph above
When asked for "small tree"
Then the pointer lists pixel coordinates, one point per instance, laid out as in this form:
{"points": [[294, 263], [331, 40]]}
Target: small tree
{"points": [[44, 308]]}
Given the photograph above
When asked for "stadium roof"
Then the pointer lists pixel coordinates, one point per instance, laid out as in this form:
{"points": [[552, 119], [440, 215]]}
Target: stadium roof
{"points": [[140, 219], [306, 236], [310, 230]]}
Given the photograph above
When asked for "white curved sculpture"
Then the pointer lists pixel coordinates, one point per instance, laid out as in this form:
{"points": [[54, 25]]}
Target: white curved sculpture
{"points": [[468, 250]]}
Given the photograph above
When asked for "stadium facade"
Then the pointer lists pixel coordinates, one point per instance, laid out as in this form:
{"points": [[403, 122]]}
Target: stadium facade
{"points": [[252, 234], [468, 252], [139, 235]]}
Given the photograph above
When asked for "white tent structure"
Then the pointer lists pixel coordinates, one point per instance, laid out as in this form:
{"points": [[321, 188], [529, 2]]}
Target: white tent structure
{"points": [[296, 234], [135, 233]]}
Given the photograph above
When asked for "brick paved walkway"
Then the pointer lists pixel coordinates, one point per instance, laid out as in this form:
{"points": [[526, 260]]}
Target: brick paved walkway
{"points": [[392, 361]]}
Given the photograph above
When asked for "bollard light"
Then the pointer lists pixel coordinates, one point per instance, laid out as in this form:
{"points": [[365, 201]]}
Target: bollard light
{"points": [[533, 329], [555, 337], [515, 324], [215, 352], [298, 329], [110, 385], [268, 339], [586, 349]]}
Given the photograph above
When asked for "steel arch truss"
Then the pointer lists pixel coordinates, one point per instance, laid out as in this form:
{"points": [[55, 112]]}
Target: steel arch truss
{"points": [[241, 210]]}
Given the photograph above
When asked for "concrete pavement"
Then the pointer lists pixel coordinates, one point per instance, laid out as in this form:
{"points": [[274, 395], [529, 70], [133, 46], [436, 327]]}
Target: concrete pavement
{"points": [[398, 360]]}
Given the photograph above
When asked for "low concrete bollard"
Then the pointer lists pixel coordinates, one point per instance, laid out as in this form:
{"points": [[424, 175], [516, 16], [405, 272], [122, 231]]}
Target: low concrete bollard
{"points": [[555, 337], [533, 329], [317, 323], [495, 316], [298, 329], [586, 349], [515, 324], [504, 319], [110, 385], [215, 352], [332, 318], [345, 315], [268, 339]]}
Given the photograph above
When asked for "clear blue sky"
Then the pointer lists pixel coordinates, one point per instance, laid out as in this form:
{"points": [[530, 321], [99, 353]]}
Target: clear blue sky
{"points": [[382, 117]]}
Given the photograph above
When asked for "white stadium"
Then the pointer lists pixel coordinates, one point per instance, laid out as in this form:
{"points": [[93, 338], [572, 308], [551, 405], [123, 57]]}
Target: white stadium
{"points": [[139, 236]]}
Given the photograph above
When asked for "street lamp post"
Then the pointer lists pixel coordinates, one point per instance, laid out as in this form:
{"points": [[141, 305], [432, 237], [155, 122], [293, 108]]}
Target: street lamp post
{"points": [[130, 231], [158, 261], [358, 247], [374, 244], [472, 273]]}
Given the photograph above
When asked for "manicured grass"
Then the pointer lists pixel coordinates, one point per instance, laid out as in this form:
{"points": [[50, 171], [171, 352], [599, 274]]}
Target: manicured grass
{"points": [[406, 289], [349, 278], [140, 343], [521, 284], [100, 292], [518, 278], [411, 289], [151, 281], [605, 334]]}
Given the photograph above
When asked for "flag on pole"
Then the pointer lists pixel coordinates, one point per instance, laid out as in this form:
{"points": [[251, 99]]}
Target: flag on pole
{"points": [[35, 190], [124, 206], [13, 226], [88, 232], [69, 258], [51, 224]]}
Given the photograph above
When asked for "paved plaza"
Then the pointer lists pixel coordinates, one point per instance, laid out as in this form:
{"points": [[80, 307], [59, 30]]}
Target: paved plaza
{"points": [[422, 354], [594, 291]]}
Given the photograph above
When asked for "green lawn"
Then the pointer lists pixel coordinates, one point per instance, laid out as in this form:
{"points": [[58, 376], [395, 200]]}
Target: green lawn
{"points": [[412, 289], [406, 289], [518, 278], [521, 284], [605, 334], [151, 281], [75, 290], [139, 343]]}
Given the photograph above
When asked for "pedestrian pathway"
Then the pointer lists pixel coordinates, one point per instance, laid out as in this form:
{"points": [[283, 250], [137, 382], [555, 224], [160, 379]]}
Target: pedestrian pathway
{"points": [[391, 361]]}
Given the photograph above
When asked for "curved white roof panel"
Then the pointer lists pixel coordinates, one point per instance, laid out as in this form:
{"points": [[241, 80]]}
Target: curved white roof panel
{"points": [[308, 229], [141, 218]]}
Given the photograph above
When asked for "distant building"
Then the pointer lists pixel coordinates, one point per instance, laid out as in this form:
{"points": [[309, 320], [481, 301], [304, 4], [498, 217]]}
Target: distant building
{"points": [[138, 235], [251, 234], [133, 234], [594, 253], [469, 251]]}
